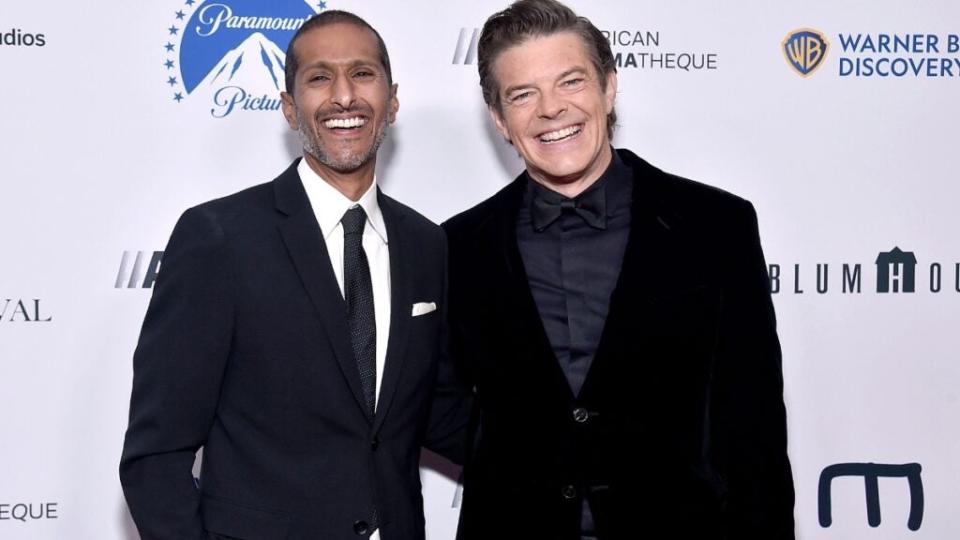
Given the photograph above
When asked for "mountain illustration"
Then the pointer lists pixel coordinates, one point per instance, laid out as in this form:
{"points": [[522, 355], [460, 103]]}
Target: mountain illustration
{"points": [[256, 62]]}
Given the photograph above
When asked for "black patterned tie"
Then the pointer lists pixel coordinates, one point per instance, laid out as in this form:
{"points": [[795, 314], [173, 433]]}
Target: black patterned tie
{"points": [[358, 293]]}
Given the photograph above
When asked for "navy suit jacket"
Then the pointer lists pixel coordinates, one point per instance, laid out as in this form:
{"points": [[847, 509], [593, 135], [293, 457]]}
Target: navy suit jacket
{"points": [[245, 351]]}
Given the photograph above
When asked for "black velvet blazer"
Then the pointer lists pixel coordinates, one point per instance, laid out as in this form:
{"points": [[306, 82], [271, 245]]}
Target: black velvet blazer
{"points": [[679, 430]]}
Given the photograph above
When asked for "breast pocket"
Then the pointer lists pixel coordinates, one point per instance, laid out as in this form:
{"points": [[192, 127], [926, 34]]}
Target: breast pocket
{"points": [[423, 340]]}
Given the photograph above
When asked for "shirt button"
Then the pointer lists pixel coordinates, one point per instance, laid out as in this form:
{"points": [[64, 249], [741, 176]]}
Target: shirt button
{"points": [[568, 492], [580, 415], [360, 527]]}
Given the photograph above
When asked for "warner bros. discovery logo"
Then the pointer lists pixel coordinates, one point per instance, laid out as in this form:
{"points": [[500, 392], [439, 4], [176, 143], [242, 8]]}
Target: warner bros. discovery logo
{"points": [[231, 53], [805, 49]]}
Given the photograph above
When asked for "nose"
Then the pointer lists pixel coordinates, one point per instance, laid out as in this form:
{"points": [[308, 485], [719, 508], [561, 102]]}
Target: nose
{"points": [[551, 105], [343, 93]]}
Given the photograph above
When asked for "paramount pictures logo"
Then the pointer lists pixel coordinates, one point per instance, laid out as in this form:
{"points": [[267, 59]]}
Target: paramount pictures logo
{"points": [[231, 53], [896, 273]]}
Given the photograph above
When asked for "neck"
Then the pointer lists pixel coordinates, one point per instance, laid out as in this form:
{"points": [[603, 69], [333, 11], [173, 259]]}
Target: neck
{"points": [[573, 185], [353, 184]]}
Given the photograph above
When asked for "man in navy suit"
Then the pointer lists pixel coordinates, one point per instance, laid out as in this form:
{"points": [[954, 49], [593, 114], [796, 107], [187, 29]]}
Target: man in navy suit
{"points": [[615, 321], [295, 333]]}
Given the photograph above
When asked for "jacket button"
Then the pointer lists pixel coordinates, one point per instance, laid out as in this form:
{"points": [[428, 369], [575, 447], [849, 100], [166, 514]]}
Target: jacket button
{"points": [[569, 492], [375, 443], [580, 415], [360, 527]]}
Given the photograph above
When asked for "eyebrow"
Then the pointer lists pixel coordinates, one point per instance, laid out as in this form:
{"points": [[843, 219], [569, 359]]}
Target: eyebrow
{"points": [[511, 89], [323, 64]]}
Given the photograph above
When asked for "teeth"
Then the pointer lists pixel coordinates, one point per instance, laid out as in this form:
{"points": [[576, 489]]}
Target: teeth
{"points": [[344, 123], [560, 134]]}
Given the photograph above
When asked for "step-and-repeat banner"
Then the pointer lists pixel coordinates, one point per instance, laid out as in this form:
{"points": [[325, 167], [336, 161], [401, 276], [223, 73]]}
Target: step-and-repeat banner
{"points": [[838, 120]]}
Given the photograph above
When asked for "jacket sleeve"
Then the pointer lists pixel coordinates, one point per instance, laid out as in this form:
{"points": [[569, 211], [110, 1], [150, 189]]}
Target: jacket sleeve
{"points": [[749, 417], [177, 371], [452, 397]]}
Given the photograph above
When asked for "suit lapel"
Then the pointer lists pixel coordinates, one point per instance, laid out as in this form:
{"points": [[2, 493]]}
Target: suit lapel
{"points": [[401, 285], [520, 308], [650, 240], [301, 234]]}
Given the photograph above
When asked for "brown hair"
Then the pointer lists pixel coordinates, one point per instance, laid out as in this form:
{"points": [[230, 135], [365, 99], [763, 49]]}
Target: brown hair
{"points": [[324, 19], [526, 19]]}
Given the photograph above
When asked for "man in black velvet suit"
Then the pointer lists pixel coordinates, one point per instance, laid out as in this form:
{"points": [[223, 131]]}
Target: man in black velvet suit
{"points": [[614, 320], [295, 333]]}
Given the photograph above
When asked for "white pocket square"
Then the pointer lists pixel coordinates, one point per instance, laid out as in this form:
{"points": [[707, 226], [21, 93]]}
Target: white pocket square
{"points": [[422, 308]]}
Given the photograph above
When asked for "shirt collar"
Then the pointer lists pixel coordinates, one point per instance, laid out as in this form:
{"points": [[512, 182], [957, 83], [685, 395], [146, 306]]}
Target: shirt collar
{"points": [[329, 205], [614, 187]]}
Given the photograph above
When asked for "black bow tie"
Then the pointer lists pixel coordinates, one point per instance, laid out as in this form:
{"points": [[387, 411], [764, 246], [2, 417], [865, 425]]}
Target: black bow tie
{"points": [[547, 206]]}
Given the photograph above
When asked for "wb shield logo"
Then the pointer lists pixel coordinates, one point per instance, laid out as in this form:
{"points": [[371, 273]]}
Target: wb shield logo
{"points": [[230, 54], [805, 50]]}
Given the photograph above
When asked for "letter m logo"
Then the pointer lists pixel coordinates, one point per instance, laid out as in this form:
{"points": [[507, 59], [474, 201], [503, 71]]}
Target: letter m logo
{"points": [[870, 473]]}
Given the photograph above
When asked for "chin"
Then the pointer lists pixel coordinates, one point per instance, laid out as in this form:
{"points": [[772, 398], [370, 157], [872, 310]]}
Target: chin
{"points": [[564, 170]]}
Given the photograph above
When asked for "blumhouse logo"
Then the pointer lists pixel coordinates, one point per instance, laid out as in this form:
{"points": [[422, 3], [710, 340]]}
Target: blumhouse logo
{"points": [[466, 51], [897, 273], [896, 267], [138, 269]]}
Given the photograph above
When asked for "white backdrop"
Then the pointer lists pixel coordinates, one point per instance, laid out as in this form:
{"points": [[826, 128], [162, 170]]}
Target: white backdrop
{"points": [[98, 158]]}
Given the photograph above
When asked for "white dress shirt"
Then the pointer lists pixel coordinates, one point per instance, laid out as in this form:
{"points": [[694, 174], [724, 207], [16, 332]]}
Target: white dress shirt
{"points": [[329, 205]]}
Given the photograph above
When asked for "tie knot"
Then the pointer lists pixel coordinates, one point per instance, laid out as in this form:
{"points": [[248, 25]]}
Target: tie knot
{"points": [[354, 220]]}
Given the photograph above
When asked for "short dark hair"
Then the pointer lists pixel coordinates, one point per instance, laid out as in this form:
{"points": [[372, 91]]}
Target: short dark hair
{"points": [[324, 19], [526, 19]]}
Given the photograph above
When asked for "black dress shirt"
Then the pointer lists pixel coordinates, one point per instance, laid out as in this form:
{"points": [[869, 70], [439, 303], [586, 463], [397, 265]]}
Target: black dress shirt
{"points": [[572, 266], [573, 261]]}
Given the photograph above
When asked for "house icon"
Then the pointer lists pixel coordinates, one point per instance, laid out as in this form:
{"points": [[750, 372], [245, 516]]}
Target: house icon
{"points": [[897, 267]]}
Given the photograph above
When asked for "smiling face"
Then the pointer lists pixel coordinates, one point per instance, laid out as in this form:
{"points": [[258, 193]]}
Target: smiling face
{"points": [[341, 102], [553, 109]]}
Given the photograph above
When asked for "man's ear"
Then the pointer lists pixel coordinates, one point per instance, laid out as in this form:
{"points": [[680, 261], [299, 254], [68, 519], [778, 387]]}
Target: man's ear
{"points": [[611, 91], [289, 110], [394, 105], [497, 118]]}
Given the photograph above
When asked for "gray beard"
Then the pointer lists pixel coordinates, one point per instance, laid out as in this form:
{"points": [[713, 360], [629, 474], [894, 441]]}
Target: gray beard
{"points": [[311, 145]]}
